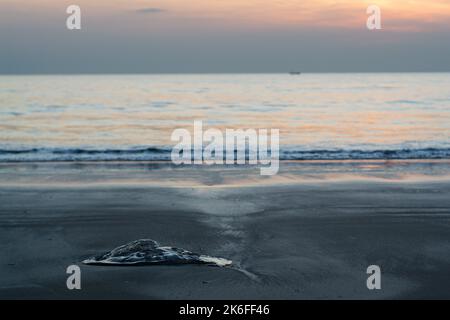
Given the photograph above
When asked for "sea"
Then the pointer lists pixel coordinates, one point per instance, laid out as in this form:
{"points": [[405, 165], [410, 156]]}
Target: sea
{"points": [[132, 117]]}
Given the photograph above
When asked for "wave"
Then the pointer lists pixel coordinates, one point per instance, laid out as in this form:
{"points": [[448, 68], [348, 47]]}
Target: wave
{"points": [[342, 154], [79, 154], [164, 154]]}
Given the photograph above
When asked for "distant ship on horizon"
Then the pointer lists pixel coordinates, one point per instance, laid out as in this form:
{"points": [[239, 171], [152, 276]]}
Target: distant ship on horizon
{"points": [[295, 73]]}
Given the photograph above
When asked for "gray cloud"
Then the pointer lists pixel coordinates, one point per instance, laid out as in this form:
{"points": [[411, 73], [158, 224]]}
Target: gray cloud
{"points": [[168, 44], [151, 10]]}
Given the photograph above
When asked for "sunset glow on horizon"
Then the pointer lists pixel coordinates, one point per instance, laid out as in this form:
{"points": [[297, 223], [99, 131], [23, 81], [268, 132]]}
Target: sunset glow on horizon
{"points": [[397, 15], [224, 36]]}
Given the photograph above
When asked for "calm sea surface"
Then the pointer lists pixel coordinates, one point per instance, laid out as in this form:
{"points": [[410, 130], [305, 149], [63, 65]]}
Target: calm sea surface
{"points": [[131, 117]]}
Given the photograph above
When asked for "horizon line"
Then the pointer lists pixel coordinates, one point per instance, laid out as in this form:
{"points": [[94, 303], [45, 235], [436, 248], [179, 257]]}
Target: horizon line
{"points": [[209, 73]]}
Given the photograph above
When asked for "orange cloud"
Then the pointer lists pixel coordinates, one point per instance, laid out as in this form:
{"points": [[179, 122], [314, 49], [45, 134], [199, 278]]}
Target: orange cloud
{"points": [[396, 15]]}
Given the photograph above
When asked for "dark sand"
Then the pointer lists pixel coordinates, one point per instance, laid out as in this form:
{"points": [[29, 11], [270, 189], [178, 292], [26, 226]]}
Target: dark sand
{"points": [[302, 240]]}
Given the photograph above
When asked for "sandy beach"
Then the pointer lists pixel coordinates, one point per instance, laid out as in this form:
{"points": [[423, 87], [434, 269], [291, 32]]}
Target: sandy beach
{"points": [[297, 240]]}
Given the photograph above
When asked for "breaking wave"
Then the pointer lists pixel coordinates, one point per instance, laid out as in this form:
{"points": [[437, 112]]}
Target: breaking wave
{"points": [[164, 154]]}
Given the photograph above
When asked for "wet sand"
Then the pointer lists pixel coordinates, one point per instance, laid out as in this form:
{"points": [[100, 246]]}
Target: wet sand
{"points": [[296, 240]]}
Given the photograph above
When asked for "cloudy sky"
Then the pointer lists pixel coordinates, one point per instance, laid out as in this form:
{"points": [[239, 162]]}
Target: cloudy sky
{"points": [[140, 36]]}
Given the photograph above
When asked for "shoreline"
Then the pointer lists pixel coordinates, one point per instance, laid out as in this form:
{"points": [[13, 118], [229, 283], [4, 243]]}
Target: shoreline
{"points": [[167, 174]]}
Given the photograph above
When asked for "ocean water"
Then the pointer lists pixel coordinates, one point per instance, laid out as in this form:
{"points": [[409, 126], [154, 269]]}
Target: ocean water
{"points": [[131, 117]]}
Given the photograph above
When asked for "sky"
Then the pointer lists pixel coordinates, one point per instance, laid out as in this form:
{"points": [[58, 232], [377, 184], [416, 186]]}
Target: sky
{"points": [[208, 36]]}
